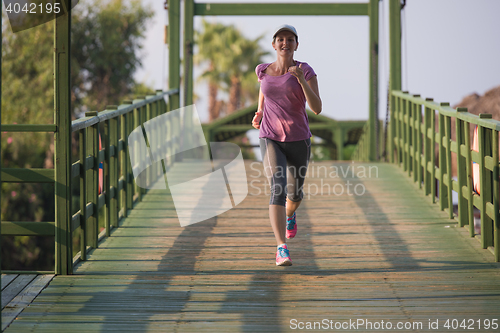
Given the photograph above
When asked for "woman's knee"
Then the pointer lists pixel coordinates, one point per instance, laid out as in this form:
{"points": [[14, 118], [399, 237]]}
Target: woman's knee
{"points": [[296, 197], [278, 195]]}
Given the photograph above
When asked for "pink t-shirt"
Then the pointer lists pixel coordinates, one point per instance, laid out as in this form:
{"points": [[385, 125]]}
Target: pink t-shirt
{"points": [[285, 117]]}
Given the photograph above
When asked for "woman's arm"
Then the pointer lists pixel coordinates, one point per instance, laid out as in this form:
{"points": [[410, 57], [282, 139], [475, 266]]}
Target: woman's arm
{"points": [[311, 91], [258, 115], [260, 106], [310, 88]]}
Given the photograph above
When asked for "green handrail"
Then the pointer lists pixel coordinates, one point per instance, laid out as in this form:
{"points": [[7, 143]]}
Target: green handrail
{"points": [[118, 194], [416, 126]]}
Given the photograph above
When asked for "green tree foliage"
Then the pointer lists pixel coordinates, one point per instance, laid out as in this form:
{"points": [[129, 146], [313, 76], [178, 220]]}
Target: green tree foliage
{"points": [[105, 39], [27, 98], [27, 91]]}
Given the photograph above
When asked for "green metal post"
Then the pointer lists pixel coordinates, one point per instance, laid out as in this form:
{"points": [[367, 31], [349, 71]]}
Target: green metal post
{"points": [[106, 177], [137, 123], [419, 152], [95, 190], [463, 214], [129, 176], [428, 149], [188, 51], [392, 130], [152, 142], [395, 67], [338, 138], [155, 112], [82, 136], [113, 172], [1, 162], [62, 145], [413, 137], [395, 44], [396, 110], [381, 137], [142, 119], [485, 145], [406, 136], [496, 189], [89, 185], [123, 165], [433, 155], [124, 161], [373, 103], [442, 165], [174, 51], [470, 195], [449, 184], [93, 181]]}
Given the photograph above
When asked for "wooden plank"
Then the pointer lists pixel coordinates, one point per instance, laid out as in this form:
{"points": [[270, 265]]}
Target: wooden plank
{"points": [[29, 128], [7, 278], [33, 175], [75, 169], [26, 228], [21, 301], [389, 254], [15, 287]]}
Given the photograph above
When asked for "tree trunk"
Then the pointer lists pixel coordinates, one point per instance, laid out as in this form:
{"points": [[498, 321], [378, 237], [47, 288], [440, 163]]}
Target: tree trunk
{"points": [[234, 94], [213, 109]]}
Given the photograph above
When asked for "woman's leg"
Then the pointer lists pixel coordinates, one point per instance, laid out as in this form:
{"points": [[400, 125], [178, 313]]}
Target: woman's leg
{"points": [[278, 223], [297, 153], [291, 206], [274, 161]]}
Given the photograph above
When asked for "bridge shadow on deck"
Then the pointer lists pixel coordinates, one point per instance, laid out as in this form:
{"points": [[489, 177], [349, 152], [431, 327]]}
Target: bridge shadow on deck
{"points": [[354, 257]]}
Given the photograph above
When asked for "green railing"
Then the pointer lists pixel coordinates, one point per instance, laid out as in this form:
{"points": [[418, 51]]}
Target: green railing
{"points": [[421, 143], [362, 150], [364, 146], [119, 193]]}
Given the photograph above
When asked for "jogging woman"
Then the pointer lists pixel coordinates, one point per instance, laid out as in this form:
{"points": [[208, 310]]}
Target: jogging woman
{"points": [[284, 135]]}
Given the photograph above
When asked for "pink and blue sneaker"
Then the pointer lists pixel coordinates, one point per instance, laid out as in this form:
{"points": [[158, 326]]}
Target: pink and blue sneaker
{"points": [[291, 226], [283, 256]]}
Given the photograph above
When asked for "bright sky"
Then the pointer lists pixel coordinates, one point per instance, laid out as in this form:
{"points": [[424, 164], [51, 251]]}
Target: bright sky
{"points": [[451, 49]]}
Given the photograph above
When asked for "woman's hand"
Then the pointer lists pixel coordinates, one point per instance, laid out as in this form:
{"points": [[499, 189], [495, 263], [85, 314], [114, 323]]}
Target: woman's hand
{"points": [[256, 119], [298, 73]]}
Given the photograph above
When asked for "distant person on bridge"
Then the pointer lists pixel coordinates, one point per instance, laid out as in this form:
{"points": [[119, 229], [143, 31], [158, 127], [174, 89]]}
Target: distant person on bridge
{"points": [[285, 143]]}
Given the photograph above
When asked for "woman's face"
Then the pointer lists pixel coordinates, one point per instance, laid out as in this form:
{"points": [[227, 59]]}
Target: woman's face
{"points": [[285, 43]]}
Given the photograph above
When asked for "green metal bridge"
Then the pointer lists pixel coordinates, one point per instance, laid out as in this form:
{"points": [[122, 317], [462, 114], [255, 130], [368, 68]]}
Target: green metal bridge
{"points": [[379, 242]]}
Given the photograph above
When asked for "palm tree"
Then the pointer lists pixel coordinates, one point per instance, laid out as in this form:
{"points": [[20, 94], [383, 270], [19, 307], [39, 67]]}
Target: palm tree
{"points": [[211, 47], [249, 83], [238, 64], [231, 60]]}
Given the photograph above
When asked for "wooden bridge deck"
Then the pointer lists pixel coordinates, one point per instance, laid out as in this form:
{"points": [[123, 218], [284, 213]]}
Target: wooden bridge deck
{"points": [[387, 255]]}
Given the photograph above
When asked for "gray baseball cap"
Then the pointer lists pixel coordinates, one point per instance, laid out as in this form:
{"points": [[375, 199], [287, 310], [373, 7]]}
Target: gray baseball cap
{"points": [[286, 27]]}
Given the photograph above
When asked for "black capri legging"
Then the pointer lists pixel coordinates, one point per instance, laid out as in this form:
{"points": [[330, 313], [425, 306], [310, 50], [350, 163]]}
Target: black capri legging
{"points": [[280, 159]]}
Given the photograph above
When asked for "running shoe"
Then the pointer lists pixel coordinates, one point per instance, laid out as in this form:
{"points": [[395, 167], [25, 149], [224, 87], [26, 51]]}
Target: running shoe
{"points": [[283, 256], [291, 226]]}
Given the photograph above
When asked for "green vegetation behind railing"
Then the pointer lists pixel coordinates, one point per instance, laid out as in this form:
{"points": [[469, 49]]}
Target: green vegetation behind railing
{"points": [[420, 141], [119, 193]]}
